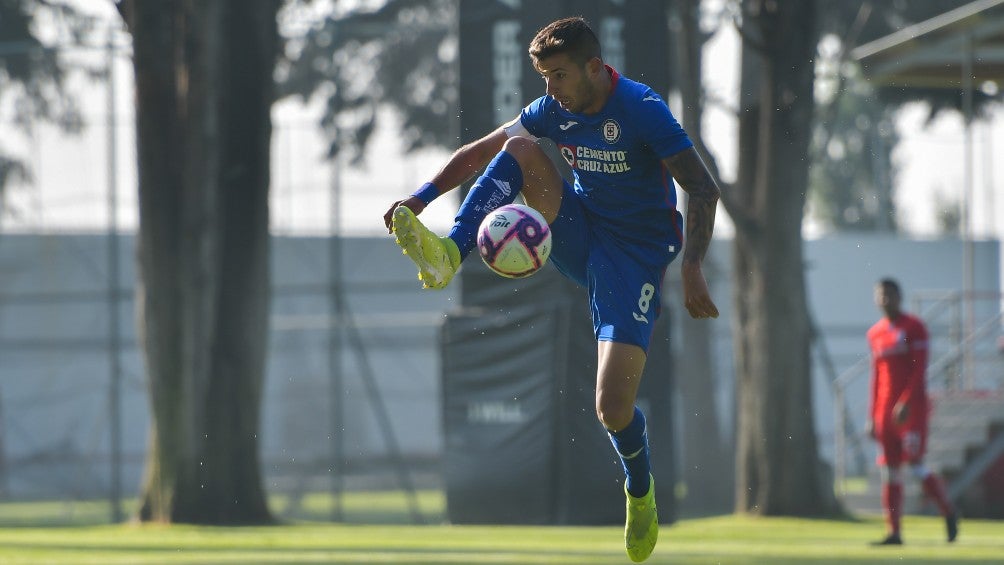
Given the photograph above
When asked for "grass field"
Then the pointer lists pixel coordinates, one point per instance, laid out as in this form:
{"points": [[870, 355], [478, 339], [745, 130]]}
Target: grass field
{"points": [[729, 540]]}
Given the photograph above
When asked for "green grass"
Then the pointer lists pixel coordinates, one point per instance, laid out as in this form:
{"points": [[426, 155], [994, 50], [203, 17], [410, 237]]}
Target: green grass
{"points": [[383, 507], [728, 540]]}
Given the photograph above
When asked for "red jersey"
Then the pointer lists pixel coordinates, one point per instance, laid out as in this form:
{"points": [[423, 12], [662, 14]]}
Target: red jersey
{"points": [[899, 360]]}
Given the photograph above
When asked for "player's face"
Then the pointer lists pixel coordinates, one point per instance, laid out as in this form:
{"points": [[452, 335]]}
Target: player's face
{"points": [[568, 83], [887, 299]]}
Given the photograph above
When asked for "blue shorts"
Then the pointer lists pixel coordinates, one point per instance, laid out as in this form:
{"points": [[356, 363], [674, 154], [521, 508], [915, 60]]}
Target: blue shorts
{"points": [[624, 279]]}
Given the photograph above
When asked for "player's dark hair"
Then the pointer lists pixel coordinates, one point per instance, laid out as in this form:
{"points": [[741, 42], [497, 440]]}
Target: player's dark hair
{"points": [[571, 36], [892, 284]]}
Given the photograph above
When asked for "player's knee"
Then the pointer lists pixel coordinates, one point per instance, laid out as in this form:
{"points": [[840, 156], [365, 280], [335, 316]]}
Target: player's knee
{"points": [[527, 153], [919, 471], [522, 148], [891, 475], [614, 414]]}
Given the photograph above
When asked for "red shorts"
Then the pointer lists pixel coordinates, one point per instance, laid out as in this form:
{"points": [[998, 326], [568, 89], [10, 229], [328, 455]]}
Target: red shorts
{"points": [[901, 444]]}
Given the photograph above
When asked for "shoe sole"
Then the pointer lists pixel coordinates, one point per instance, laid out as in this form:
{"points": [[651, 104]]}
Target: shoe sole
{"points": [[410, 241], [639, 553]]}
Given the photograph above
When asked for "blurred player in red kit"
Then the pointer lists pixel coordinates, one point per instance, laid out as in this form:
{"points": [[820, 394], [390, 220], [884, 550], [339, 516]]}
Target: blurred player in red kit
{"points": [[900, 408]]}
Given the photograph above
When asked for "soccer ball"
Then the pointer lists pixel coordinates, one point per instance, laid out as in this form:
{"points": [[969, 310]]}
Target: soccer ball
{"points": [[514, 241]]}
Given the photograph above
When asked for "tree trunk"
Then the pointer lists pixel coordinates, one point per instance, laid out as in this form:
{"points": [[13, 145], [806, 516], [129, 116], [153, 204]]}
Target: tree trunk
{"points": [[708, 461], [204, 90], [778, 471]]}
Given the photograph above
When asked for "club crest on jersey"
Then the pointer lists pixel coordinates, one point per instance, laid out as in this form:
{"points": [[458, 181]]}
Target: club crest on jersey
{"points": [[611, 131], [568, 152]]}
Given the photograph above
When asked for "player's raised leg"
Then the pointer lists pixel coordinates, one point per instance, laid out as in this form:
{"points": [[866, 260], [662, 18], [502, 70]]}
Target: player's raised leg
{"points": [[522, 167], [542, 182], [438, 258], [497, 186], [618, 377]]}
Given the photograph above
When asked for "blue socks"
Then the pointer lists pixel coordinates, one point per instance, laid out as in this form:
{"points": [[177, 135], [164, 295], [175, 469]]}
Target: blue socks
{"points": [[631, 444], [498, 186]]}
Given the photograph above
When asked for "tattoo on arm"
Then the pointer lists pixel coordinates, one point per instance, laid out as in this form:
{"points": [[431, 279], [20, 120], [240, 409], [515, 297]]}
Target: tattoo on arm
{"points": [[694, 178]]}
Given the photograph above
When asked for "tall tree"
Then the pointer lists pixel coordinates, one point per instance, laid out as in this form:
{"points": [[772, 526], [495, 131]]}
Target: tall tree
{"points": [[778, 471], [204, 89], [707, 457]]}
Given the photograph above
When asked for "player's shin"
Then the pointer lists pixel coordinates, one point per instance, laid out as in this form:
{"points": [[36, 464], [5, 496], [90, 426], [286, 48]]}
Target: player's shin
{"points": [[497, 186], [892, 499], [934, 488], [631, 444]]}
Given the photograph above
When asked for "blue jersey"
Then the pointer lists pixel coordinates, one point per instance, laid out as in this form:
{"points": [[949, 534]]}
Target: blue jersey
{"points": [[616, 155]]}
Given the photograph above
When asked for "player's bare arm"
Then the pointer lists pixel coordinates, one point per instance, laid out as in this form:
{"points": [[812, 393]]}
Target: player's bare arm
{"points": [[463, 165], [693, 176]]}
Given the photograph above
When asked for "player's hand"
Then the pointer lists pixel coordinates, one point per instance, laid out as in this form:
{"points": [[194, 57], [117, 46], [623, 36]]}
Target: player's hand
{"points": [[412, 202], [696, 297], [900, 412]]}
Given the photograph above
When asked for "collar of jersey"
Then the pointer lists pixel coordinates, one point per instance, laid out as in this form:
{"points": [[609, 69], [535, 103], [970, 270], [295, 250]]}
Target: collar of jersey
{"points": [[614, 77]]}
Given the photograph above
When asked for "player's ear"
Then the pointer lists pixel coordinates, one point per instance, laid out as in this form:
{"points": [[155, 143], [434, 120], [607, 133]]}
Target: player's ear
{"points": [[594, 65]]}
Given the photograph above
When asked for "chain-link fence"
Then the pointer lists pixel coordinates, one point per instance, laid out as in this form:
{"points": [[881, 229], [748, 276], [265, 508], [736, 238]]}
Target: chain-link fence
{"points": [[351, 393], [74, 412]]}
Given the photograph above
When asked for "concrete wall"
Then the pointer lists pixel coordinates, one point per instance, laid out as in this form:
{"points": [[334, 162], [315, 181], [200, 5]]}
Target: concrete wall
{"points": [[55, 362], [840, 275], [55, 370]]}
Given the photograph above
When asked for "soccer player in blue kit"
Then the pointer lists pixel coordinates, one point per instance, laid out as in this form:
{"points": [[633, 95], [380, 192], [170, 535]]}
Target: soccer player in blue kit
{"points": [[615, 230]]}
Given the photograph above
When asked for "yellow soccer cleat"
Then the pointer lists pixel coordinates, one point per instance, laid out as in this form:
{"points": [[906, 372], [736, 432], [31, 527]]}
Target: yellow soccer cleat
{"points": [[642, 528], [437, 258]]}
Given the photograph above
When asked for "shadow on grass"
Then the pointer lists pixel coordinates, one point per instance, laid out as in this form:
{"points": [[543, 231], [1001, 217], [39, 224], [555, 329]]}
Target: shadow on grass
{"points": [[379, 508]]}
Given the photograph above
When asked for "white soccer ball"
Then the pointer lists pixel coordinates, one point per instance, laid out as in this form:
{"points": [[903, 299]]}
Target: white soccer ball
{"points": [[514, 241]]}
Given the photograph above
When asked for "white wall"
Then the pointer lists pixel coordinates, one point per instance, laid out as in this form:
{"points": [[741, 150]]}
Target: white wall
{"points": [[54, 361]]}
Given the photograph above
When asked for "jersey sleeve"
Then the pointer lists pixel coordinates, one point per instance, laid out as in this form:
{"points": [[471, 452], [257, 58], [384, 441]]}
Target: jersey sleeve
{"points": [[515, 128], [661, 130], [535, 117]]}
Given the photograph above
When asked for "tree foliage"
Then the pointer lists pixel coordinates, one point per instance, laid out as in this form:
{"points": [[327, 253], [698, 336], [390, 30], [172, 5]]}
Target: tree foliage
{"points": [[33, 72], [883, 17], [852, 171], [400, 56]]}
